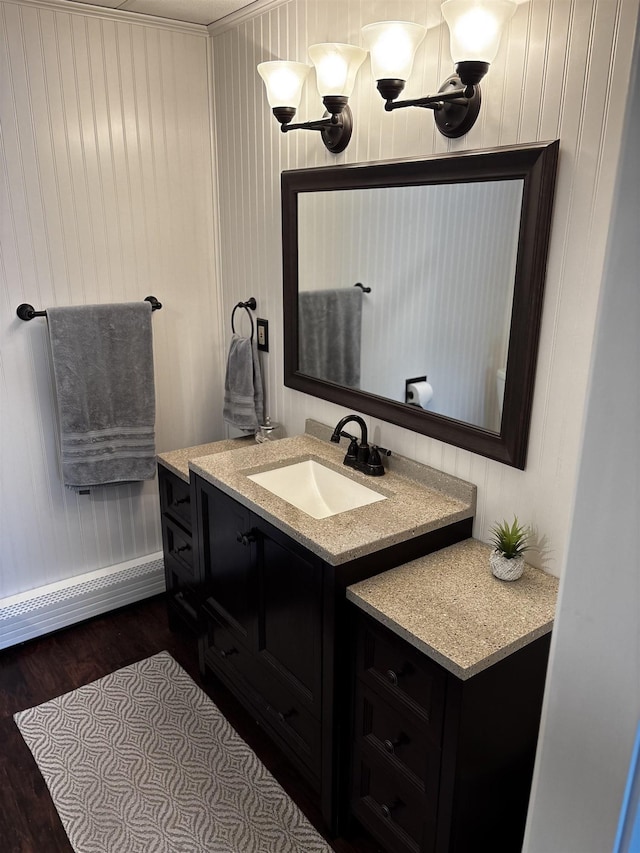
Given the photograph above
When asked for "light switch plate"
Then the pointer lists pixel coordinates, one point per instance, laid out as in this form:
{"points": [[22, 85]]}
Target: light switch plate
{"points": [[263, 334]]}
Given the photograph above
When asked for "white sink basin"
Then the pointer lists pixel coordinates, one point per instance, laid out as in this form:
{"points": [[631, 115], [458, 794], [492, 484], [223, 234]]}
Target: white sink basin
{"points": [[315, 489]]}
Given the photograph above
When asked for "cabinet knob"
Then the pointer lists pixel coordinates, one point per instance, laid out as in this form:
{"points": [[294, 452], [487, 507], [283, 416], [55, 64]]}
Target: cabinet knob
{"points": [[283, 716], [390, 745], [245, 538], [226, 653], [388, 809], [393, 676]]}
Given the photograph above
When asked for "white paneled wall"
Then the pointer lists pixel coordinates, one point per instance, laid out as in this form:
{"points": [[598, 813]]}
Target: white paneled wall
{"points": [[106, 196], [562, 72]]}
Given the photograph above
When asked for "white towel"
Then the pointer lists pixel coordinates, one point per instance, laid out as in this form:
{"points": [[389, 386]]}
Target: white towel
{"points": [[243, 394]]}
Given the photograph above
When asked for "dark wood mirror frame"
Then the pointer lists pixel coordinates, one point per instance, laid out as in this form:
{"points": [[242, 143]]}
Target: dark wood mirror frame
{"points": [[536, 165]]}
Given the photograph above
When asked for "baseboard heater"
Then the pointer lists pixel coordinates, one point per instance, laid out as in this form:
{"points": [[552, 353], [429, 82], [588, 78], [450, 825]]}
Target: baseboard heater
{"points": [[57, 605]]}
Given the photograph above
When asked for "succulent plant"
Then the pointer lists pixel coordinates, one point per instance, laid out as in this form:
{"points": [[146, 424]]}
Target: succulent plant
{"points": [[510, 540]]}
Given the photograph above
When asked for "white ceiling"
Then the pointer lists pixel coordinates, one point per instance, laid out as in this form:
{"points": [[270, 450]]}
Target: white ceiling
{"points": [[192, 11]]}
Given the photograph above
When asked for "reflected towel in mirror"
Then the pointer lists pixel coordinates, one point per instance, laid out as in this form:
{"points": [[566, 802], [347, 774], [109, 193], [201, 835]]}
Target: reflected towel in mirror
{"points": [[330, 327]]}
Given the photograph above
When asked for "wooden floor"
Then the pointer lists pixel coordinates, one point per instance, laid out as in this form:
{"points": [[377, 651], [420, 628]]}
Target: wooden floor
{"points": [[41, 669]]}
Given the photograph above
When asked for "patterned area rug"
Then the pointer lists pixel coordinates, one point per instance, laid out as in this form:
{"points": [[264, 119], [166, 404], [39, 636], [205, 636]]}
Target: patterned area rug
{"points": [[142, 760]]}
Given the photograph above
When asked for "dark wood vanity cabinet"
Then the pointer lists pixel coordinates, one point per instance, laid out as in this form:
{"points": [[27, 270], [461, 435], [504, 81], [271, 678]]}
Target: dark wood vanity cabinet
{"points": [[441, 764], [180, 564], [275, 631], [262, 610]]}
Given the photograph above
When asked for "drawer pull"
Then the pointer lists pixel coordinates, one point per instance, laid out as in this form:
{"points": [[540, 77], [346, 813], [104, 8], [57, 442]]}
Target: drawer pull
{"points": [[182, 501], [283, 716], [226, 653], [387, 810], [182, 601], [183, 548], [391, 745], [245, 538], [393, 676]]}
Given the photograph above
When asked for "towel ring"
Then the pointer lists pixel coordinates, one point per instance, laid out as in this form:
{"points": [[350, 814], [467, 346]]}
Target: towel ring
{"points": [[249, 304]]}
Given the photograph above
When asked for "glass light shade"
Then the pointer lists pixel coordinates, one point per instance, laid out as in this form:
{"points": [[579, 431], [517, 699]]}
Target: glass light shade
{"points": [[336, 67], [475, 27], [393, 46], [284, 82]]}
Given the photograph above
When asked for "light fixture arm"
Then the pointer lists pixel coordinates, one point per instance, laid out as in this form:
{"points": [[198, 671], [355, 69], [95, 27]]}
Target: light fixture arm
{"points": [[335, 127], [320, 124], [455, 105], [459, 96]]}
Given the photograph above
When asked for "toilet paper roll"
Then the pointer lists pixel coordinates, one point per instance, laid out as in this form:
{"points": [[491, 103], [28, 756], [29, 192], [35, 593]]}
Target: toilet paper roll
{"points": [[419, 393]]}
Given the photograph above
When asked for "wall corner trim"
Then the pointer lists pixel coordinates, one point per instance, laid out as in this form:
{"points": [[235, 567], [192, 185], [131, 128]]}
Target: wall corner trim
{"points": [[106, 13], [253, 10]]}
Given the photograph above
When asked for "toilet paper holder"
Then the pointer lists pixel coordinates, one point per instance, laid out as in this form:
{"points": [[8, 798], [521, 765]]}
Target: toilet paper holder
{"points": [[407, 382], [409, 396]]}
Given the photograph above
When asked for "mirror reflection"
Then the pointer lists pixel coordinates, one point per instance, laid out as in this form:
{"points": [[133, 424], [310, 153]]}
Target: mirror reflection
{"points": [[422, 290]]}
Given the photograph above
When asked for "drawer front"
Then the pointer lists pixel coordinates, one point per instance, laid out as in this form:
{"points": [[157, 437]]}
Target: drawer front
{"points": [[393, 811], [293, 722], [175, 499], [178, 546], [398, 740], [182, 597], [404, 677], [281, 710]]}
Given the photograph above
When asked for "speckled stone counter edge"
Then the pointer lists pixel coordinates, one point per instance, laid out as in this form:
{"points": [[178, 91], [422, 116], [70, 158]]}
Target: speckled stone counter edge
{"points": [[177, 461], [412, 508], [449, 606]]}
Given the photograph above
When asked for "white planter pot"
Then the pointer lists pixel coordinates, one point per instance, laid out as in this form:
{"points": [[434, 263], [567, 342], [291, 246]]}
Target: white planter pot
{"points": [[506, 569]]}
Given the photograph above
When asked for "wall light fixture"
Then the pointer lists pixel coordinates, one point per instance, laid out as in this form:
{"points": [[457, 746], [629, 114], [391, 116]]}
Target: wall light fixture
{"points": [[336, 69], [475, 27]]}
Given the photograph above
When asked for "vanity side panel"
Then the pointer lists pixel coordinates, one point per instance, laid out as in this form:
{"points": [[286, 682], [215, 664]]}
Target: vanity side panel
{"points": [[489, 747], [181, 567]]}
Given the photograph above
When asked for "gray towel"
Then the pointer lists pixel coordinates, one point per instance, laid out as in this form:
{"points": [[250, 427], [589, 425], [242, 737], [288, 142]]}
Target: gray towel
{"points": [[243, 394], [103, 367], [330, 335]]}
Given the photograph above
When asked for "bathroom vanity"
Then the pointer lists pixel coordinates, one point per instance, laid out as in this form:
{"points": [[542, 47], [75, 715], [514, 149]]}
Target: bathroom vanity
{"points": [[309, 620], [449, 672], [275, 616]]}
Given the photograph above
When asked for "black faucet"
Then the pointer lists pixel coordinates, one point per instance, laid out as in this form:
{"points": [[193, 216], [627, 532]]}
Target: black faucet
{"points": [[360, 456]]}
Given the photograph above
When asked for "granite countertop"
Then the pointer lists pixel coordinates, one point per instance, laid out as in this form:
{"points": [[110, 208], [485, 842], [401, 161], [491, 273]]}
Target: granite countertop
{"points": [[449, 606], [418, 500], [177, 461]]}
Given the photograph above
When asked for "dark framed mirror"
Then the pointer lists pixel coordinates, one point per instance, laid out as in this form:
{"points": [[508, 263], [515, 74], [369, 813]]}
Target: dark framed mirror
{"points": [[426, 270]]}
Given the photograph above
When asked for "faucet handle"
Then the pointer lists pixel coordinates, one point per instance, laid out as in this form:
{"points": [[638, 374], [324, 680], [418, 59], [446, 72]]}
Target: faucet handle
{"points": [[374, 465], [352, 450], [382, 450]]}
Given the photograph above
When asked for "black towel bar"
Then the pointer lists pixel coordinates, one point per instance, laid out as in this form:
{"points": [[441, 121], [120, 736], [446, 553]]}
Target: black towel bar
{"points": [[249, 304], [362, 287], [28, 312]]}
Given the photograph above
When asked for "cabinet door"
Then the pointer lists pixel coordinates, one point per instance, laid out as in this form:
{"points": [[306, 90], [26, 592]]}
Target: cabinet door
{"points": [[290, 626], [228, 562]]}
